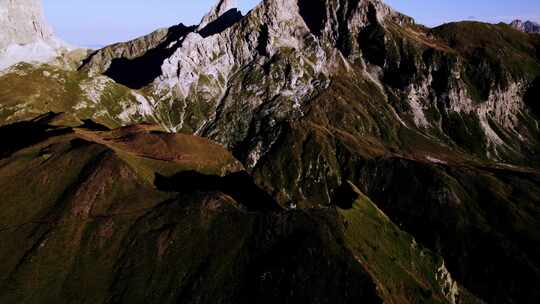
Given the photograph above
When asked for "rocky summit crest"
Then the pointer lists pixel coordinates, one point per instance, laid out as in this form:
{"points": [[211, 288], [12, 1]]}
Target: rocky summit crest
{"points": [[526, 26], [220, 8]]}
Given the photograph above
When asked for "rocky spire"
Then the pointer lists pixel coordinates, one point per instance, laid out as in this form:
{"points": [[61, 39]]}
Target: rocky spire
{"points": [[221, 7], [22, 22]]}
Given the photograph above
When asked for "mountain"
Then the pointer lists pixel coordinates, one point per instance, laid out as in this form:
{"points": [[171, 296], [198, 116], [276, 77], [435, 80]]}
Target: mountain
{"points": [[527, 26], [25, 34], [198, 82], [136, 215], [382, 160]]}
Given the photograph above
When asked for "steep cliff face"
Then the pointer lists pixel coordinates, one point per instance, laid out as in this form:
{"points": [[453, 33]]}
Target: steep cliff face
{"points": [[22, 22], [26, 35], [217, 11]]}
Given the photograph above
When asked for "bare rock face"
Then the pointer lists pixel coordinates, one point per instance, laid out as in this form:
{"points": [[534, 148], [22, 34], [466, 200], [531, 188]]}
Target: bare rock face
{"points": [[25, 35], [22, 22], [222, 7], [526, 26]]}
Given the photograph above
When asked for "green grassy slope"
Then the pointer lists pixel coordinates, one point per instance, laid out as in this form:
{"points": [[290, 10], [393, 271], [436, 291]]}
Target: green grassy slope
{"points": [[27, 91], [481, 219], [402, 268], [86, 218]]}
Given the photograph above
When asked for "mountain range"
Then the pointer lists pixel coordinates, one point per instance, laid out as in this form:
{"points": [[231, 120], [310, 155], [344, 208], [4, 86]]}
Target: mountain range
{"points": [[326, 151]]}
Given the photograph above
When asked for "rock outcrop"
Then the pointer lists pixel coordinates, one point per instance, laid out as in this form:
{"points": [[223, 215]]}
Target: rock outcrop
{"points": [[25, 35], [22, 22], [526, 26], [222, 7]]}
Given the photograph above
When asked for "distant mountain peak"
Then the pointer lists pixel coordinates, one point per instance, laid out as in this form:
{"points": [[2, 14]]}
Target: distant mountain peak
{"points": [[526, 26]]}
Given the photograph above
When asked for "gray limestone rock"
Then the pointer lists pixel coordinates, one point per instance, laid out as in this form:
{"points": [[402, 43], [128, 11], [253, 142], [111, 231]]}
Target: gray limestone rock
{"points": [[526, 26], [25, 35], [22, 22]]}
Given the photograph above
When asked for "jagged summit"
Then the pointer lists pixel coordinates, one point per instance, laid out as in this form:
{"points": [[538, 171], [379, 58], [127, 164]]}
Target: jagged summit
{"points": [[25, 34], [270, 26], [218, 10], [222, 16], [237, 83], [526, 26]]}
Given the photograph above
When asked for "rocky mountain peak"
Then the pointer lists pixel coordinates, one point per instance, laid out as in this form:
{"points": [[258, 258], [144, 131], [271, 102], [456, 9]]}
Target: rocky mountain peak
{"points": [[22, 22], [526, 26], [219, 9], [274, 61], [25, 35], [270, 26]]}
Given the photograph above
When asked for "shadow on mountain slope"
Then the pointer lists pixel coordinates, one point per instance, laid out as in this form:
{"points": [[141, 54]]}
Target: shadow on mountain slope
{"points": [[482, 220], [314, 14], [139, 72], [239, 185], [226, 20], [22, 134], [532, 97]]}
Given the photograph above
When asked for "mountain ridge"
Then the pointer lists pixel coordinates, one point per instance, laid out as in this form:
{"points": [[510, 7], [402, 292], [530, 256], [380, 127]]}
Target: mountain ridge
{"points": [[181, 85]]}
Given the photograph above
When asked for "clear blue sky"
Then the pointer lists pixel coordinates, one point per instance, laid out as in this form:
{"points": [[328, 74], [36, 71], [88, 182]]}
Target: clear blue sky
{"points": [[100, 22]]}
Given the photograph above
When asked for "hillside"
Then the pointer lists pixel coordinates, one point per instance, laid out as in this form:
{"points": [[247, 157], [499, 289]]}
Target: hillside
{"points": [[107, 210]]}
